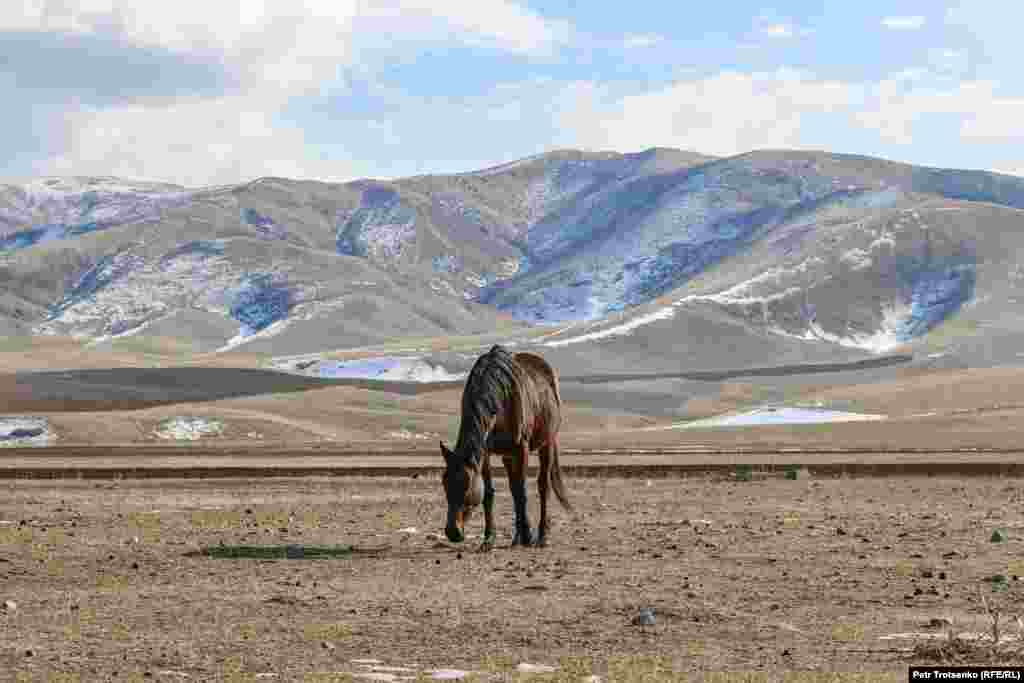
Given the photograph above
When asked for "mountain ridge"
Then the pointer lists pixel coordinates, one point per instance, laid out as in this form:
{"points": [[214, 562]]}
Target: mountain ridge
{"points": [[809, 247]]}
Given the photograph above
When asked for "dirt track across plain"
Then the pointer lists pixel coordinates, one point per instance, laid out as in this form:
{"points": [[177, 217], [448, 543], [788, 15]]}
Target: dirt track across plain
{"points": [[211, 463]]}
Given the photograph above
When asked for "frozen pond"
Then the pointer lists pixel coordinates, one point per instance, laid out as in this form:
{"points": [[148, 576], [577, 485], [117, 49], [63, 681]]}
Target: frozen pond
{"points": [[389, 368], [25, 431], [779, 416]]}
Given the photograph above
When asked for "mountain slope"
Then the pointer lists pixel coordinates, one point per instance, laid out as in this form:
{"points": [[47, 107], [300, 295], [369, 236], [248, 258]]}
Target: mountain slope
{"points": [[655, 259], [857, 252]]}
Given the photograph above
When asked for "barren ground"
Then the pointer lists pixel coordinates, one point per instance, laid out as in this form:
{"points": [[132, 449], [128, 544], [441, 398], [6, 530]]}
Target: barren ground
{"points": [[769, 575]]}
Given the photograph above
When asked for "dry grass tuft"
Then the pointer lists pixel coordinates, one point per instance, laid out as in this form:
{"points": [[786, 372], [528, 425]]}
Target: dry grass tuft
{"points": [[955, 650]]}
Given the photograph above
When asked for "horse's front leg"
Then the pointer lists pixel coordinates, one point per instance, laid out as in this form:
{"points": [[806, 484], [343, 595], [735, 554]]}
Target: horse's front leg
{"points": [[516, 469], [489, 533]]}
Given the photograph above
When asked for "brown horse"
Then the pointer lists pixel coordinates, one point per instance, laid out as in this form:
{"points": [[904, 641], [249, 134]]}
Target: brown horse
{"points": [[510, 405]]}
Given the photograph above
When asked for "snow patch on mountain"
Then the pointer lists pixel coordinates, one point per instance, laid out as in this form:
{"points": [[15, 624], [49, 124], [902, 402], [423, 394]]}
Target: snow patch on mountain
{"points": [[382, 227], [265, 225], [560, 181], [247, 334], [624, 328], [61, 208], [259, 303], [857, 258], [890, 335], [125, 292]]}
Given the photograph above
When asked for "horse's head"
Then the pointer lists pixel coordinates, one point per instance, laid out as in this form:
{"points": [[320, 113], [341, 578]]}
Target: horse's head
{"points": [[463, 488]]}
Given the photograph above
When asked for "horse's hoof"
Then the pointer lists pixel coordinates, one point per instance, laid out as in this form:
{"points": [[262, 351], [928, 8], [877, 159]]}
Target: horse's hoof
{"points": [[488, 542], [524, 537]]}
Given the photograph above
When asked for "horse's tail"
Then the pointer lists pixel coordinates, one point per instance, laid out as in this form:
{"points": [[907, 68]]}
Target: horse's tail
{"points": [[555, 473]]}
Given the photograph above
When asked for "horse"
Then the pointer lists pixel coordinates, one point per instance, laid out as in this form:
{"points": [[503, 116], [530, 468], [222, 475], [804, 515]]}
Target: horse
{"points": [[511, 405]]}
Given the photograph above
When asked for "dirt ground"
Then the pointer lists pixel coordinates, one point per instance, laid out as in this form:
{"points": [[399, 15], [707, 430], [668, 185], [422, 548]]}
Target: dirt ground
{"points": [[767, 575]]}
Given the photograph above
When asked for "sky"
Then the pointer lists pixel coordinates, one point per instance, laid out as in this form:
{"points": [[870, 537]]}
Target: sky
{"points": [[209, 93]]}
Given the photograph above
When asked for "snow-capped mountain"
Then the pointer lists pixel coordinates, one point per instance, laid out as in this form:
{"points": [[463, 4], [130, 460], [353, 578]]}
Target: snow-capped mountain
{"points": [[781, 248]]}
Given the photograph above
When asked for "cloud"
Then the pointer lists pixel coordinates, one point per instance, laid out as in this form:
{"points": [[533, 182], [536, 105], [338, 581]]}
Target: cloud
{"points": [[497, 24], [257, 39], [192, 142], [196, 91], [903, 23], [984, 115], [778, 30], [735, 112], [728, 113], [102, 69], [637, 41], [771, 26]]}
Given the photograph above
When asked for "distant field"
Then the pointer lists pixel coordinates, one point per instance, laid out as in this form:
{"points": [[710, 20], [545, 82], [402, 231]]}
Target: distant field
{"points": [[101, 396]]}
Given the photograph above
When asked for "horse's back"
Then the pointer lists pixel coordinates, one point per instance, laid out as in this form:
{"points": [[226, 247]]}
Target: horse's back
{"points": [[547, 410], [537, 366]]}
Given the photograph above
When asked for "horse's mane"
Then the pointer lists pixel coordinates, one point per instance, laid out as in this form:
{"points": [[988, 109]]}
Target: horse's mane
{"points": [[495, 379]]}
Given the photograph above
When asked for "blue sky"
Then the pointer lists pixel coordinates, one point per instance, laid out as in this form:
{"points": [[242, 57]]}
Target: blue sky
{"points": [[203, 93]]}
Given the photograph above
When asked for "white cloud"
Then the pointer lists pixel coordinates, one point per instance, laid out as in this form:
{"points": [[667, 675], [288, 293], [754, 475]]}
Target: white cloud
{"points": [[729, 113], [771, 26], [985, 116], [903, 23], [636, 42], [294, 42], [732, 113], [490, 23], [275, 51], [779, 30], [193, 143]]}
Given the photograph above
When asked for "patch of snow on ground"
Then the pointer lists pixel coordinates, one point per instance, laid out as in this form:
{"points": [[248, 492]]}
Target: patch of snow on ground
{"points": [[25, 431], [526, 667], [776, 416], [448, 674], [188, 428]]}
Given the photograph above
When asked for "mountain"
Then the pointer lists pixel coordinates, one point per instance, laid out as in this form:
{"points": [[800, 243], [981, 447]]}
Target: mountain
{"points": [[657, 259]]}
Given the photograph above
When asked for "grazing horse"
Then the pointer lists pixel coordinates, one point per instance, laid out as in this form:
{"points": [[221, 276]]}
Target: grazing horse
{"points": [[510, 405]]}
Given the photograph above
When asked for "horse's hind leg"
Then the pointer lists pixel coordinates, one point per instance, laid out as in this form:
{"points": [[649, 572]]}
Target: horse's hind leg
{"points": [[489, 534], [517, 484], [543, 481]]}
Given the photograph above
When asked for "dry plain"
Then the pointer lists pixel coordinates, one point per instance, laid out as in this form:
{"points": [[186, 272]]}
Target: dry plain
{"points": [[769, 575], [108, 579]]}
